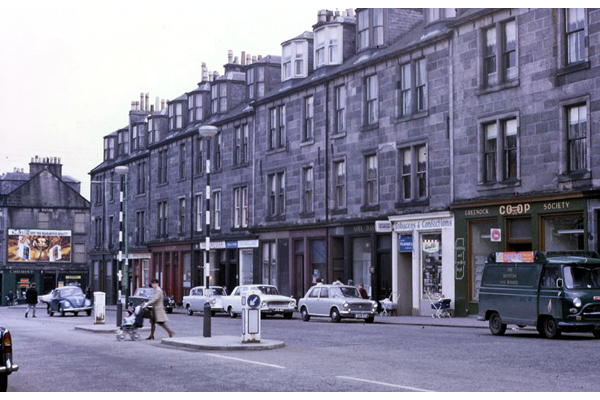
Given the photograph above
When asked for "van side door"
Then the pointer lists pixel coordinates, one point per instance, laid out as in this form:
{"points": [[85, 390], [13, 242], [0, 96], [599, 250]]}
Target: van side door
{"points": [[550, 300]]}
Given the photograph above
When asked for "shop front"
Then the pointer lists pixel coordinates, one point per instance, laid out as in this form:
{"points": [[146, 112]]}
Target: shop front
{"points": [[18, 279], [422, 260], [169, 265], [550, 223]]}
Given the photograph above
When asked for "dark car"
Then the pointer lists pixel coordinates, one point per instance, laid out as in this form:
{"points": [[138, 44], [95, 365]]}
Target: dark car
{"points": [[69, 299], [6, 358], [143, 295]]}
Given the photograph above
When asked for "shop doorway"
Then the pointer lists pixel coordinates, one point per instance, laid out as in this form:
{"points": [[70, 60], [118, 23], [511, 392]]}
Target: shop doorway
{"points": [[405, 278], [300, 280]]}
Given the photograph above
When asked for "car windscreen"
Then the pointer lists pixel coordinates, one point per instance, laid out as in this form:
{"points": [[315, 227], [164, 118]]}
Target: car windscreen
{"points": [[268, 290], [350, 292], [71, 292], [144, 292], [578, 277], [216, 292]]}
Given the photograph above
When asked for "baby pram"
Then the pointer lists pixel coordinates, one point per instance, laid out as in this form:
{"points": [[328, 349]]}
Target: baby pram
{"points": [[389, 305], [132, 329], [440, 305]]}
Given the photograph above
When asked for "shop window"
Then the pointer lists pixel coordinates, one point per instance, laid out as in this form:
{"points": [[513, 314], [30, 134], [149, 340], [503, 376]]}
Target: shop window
{"points": [[361, 262], [480, 247], [318, 259], [431, 258], [518, 232], [269, 263], [563, 233]]}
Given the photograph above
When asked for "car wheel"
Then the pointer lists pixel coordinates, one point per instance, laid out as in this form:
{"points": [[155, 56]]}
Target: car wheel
{"points": [[3, 383], [189, 310], [213, 313], [596, 334], [288, 315], [231, 313], [305, 315], [76, 313], [61, 310], [496, 326], [370, 319], [169, 311], [551, 330], [88, 312], [335, 315], [48, 309]]}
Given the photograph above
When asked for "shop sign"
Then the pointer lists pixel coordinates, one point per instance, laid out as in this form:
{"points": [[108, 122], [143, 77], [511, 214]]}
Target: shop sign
{"points": [[231, 245], [383, 226], [459, 256], [495, 235], [516, 209], [73, 277], [423, 224], [247, 243], [431, 246], [477, 212], [405, 243], [216, 245], [557, 205]]}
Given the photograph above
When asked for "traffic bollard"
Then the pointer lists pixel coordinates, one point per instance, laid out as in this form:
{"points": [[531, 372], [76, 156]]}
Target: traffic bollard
{"points": [[207, 311]]}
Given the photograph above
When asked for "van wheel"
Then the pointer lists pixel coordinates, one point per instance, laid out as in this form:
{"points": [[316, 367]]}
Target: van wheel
{"points": [[551, 330], [496, 326]]}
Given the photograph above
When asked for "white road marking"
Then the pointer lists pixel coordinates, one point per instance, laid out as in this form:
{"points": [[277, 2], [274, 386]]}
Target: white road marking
{"points": [[383, 384], [246, 361]]}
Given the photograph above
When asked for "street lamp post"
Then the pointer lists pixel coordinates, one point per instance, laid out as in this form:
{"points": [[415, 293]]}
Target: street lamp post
{"points": [[207, 132], [123, 270]]}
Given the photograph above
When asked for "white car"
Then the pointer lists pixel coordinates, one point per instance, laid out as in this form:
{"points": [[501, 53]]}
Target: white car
{"points": [[271, 301], [194, 302]]}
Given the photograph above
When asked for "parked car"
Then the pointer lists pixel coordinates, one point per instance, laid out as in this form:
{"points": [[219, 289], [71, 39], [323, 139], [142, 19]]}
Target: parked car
{"points": [[45, 299], [553, 291], [336, 302], [69, 299], [6, 358], [194, 302], [143, 295], [272, 301]]}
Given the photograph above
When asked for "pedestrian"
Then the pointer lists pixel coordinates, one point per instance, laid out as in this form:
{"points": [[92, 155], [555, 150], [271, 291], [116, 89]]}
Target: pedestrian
{"points": [[225, 292], [350, 282], [159, 316], [362, 291], [32, 298], [10, 297], [89, 294], [338, 281]]}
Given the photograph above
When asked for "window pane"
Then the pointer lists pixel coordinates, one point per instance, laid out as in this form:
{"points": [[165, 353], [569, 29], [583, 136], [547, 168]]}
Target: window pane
{"points": [[510, 148], [422, 172], [563, 233]]}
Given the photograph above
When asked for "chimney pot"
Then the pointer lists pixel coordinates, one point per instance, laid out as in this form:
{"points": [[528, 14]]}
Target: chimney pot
{"points": [[243, 58], [229, 56], [147, 101]]}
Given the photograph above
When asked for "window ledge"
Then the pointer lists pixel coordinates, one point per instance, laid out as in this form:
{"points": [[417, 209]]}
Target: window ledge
{"points": [[370, 207], [574, 176], [339, 135], [162, 184], [139, 195], [499, 87], [580, 66], [412, 203], [242, 165], [372, 127], [276, 151], [410, 117], [239, 229], [339, 211], [498, 185], [308, 142], [275, 218], [181, 180]]}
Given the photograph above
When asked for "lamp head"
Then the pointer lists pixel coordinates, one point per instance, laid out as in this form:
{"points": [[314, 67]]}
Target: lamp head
{"points": [[208, 131]]}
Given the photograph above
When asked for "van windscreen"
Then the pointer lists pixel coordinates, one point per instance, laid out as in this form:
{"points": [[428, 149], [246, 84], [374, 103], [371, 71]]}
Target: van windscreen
{"points": [[577, 277]]}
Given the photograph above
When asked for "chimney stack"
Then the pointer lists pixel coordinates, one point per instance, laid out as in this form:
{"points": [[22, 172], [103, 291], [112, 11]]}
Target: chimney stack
{"points": [[162, 104], [243, 58], [229, 56], [204, 73], [248, 59], [147, 102], [141, 101]]}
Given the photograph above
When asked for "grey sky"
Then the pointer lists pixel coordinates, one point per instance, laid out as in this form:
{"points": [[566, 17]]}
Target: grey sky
{"points": [[69, 71]]}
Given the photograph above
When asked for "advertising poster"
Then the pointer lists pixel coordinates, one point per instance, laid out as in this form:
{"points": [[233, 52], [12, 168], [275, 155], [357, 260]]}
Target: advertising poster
{"points": [[38, 245]]}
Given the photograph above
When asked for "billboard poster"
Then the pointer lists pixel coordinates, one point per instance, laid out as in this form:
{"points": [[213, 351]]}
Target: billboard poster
{"points": [[38, 245]]}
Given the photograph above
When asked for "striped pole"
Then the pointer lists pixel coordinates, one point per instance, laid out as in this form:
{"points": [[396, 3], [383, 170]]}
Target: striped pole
{"points": [[120, 257], [207, 132]]}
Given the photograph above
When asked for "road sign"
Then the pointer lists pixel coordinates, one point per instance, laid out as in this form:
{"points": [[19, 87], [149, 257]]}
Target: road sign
{"points": [[254, 301], [495, 235]]}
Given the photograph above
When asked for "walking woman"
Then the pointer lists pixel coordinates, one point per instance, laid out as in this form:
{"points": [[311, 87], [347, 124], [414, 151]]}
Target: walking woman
{"points": [[159, 316]]}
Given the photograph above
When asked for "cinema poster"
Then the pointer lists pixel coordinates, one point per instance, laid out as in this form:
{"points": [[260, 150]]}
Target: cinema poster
{"points": [[38, 245]]}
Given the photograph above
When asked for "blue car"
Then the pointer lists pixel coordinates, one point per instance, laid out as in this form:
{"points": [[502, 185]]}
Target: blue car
{"points": [[69, 299]]}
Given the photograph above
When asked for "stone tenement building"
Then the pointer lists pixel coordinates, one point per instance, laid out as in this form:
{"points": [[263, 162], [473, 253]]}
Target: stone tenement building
{"points": [[393, 147], [44, 229]]}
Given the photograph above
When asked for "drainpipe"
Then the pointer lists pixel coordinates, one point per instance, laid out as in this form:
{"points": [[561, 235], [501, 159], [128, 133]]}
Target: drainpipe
{"points": [[451, 119]]}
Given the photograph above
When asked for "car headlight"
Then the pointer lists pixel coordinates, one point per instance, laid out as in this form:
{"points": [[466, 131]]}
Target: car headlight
{"points": [[213, 302], [68, 304], [374, 306], [292, 304], [346, 306], [264, 304], [577, 302]]}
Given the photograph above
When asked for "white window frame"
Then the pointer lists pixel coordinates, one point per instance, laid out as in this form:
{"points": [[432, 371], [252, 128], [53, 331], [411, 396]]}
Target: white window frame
{"points": [[298, 53]]}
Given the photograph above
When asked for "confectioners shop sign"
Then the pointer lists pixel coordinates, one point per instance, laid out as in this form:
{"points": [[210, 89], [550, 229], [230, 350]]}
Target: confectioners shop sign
{"points": [[423, 224]]}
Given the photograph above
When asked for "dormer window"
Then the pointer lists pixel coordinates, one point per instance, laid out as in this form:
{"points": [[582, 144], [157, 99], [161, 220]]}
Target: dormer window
{"points": [[370, 28], [109, 148], [123, 142], [436, 14], [255, 82], [218, 98], [328, 46], [153, 132], [195, 107], [294, 60], [137, 137], [175, 116]]}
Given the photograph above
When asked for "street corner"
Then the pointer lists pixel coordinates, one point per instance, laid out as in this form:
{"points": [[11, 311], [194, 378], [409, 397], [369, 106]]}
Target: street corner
{"points": [[221, 343]]}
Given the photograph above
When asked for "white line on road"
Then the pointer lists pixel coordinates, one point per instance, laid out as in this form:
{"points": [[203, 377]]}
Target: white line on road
{"points": [[383, 384], [246, 361]]}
